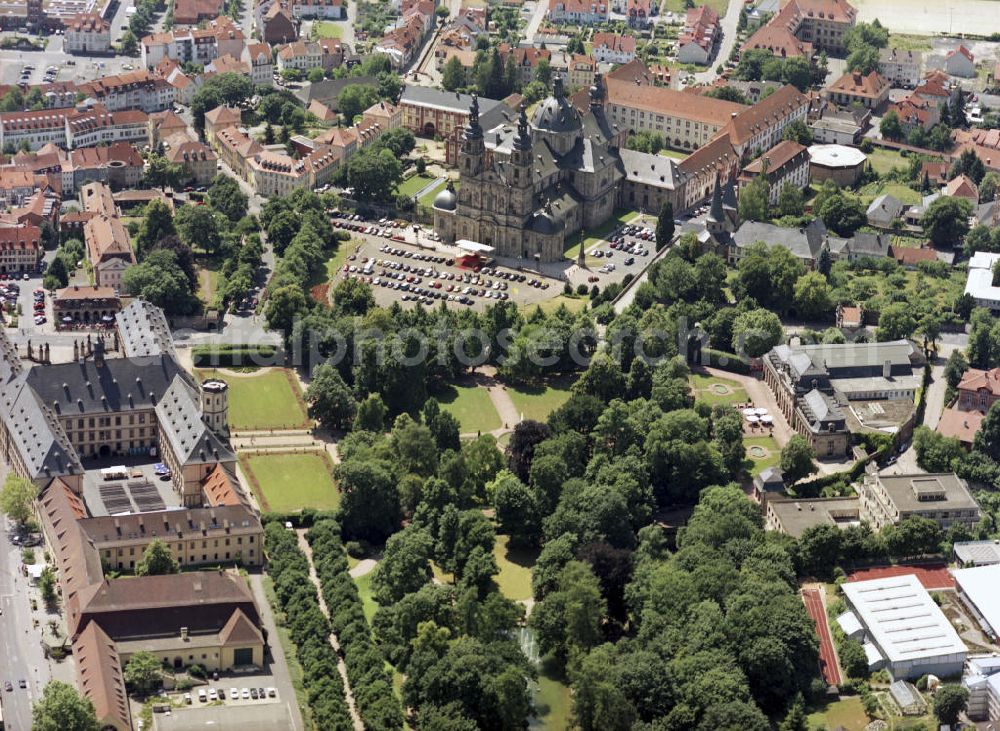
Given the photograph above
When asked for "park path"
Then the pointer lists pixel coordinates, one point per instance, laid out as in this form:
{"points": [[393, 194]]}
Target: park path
{"points": [[365, 566], [761, 395], [341, 667]]}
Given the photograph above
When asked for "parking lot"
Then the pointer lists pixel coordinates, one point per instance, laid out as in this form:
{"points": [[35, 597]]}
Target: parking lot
{"points": [[409, 264]]}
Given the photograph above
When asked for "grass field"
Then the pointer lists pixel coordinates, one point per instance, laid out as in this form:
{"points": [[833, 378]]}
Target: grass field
{"points": [[553, 702], [883, 160], [515, 569], [678, 6], [427, 199], [537, 403], [909, 43], [708, 389], [847, 712], [899, 191], [412, 186], [285, 483], [472, 407], [761, 463], [208, 278], [336, 262], [368, 603], [677, 155], [271, 399], [326, 29], [573, 304]]}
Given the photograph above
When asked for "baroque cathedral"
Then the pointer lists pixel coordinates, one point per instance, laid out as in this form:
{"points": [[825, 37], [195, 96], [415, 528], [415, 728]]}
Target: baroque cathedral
{"points": [[525, 189]]}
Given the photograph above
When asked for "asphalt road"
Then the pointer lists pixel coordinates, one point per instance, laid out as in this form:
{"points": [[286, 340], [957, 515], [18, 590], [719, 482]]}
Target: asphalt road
{"points": [[21, 649], [728, 23]]}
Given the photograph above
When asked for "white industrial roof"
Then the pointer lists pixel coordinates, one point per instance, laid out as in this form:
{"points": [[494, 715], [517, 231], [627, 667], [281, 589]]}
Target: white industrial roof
{"points": [[836, 156], [902, 618], [981, 585], [848, 622], [979, 553], [980, 280], [473, 246]]}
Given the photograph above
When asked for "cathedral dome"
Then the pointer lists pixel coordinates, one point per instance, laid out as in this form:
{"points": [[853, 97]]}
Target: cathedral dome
{"points": [[544, 222], [446, 200], [555, 114]]}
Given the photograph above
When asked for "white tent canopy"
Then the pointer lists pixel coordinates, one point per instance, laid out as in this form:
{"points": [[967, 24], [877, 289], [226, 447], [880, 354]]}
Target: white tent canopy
{"points": [[474, 247]]}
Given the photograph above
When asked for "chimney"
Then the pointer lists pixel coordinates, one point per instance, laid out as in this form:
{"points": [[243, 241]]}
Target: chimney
{"points": [[887, 369], [184, 634]]}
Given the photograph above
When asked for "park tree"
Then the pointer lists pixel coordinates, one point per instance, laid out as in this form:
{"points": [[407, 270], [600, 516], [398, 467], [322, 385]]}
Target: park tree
{"points": [[354, 99], [987, 439], [405, 566], [330, 399], [521, 447], [819, 550], [842, 214], [517, 508], [281, 229], [373, 174], [955, 367], [568, 620], [157, 222], [226, 196], [912, 536], [988, 187], [61, 708], [813, 296], [198, 227], [369, 505], [160, 280], [795, 719], [824, 263], [16, 498], [768, 275], [371, 414], [936, 452], [161, 173], [890, 126], [755, 332], [143, 673], [797, 459], [968, 163], [950, 701], [664, 226], [284, 305], [453, 74], [353, 297], [790, 200], [753, 202], [946, 220], [799, 132], [896, 322], [156, 560]]}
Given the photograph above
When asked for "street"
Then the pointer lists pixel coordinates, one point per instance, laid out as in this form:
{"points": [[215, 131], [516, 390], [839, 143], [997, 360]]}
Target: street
{"points": [[22, 652], [728, 25]]}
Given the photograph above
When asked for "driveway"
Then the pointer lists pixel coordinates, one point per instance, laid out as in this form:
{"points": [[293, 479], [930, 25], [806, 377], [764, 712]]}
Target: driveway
{"points": [[728, 25], [280, 677]]}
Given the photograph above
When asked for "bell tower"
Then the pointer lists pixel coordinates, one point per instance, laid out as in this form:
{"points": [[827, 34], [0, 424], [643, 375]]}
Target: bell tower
{"points": [[520, 170], [473, 146]]}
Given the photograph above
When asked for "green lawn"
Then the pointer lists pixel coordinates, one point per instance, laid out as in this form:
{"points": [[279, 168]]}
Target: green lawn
{"points": [[427, 199], [678, 6], [207, 269], [326, 29], [883, 160], [271, 399], [904, 193], [772, 458], [515, 569], [538, 402], [553, 702], [472, 406], [709, 389], [676, 154], [847, 712], [412, 186], [368, 603], [910, 43], [336, 262], [573, 304], [285, 483]]}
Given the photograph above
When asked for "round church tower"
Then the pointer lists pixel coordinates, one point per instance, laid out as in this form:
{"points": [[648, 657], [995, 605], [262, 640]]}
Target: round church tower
{"points": [[215, 405]]}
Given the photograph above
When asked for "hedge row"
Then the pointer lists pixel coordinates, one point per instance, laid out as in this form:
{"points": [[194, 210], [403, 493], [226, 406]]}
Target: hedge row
{"points": [[366, 670], [234, 356], [309, 629]]}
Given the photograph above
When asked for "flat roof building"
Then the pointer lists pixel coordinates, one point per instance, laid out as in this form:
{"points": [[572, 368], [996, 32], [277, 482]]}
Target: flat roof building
{"points": [[979, 590], [943, 498], [977, 553], [793, 516], [903, 623]]}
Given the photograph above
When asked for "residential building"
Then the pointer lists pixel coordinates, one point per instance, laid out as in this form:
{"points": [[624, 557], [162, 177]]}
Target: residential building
{"points": [[402, 42], [220, 118], [192, 12], [612, 48], [962, 186], [199, 46], [108, 249], [71, 128], [802, 27], [580, 71], [976, 553], [899, 67], [916, 112], [941, 497], [960, 62], [119, 165], [978, 390], [982, 680], [839, 126], [640, 12], [904, 630], [17, 184], [299, 55], [979, 282], [697, 40], [196, 159], [163, 125], [428, 112], [131, 90], [258, 56], [278, 25], [20, 249], [578, 12], [525, 60], [384, 115], [856, 89], [883, 211], [87, 33], [787, 163]]}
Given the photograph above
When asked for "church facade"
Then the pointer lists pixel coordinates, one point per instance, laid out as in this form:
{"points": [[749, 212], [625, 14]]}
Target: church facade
{"points": [[525, 189]]}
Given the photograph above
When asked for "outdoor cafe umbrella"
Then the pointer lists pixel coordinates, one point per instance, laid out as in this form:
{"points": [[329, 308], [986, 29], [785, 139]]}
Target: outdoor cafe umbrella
{"points": [[749, 412], [766, 419], [753, 419], [760, 411]]}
